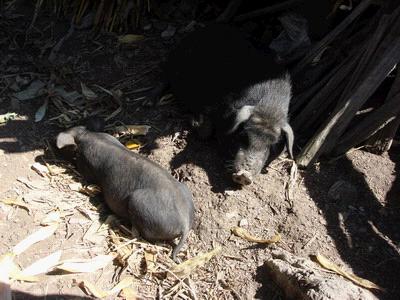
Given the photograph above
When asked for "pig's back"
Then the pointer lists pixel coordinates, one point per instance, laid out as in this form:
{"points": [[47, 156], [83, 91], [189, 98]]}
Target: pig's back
{"points": [[113, 164], [214, 61]]}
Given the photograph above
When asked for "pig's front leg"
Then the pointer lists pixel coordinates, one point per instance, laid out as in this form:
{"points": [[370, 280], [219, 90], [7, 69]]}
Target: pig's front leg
{"points": [[203, 125]]}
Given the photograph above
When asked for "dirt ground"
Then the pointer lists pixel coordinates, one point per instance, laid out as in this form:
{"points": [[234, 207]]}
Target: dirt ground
{"points": [[347, 209]]}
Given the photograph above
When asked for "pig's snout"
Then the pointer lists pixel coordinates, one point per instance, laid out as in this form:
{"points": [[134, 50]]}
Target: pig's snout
{"points": [[242, 177], [248, 164]]}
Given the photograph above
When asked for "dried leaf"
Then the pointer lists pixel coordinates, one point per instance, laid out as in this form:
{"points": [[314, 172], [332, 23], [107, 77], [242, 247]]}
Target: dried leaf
{"points": [[90, 190], [151, 260], [132, 129], [91, 289], [76, 186], [40, 169], [169, 32], [85, 265], [123, 250], [124, 283], [17, 202], [128, 294], [104, 89], [325, 263], [185, 268], [40, 235], [105, 226], [70, 97], [51, 218], [42, 265], [132, 145], [41, 112], [113, 114], [9, 270], [130, 38], [87, 92], [6, 267], [240, 232], [21, 277], [166, 99], [93, 236], [31, 91], [28, 183], [7, 117]]}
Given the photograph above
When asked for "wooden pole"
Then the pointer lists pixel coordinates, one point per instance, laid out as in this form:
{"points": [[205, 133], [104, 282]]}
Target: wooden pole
{"points": [[332, 35], [384, 115], [342, 115], [230, 11], [267, 10]]}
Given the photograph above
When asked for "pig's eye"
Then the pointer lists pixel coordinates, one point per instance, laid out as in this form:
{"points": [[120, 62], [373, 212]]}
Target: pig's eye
{"points": [[244, 138], [240, 129]]}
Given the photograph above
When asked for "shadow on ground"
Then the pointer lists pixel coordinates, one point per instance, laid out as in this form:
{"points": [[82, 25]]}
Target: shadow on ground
{"points": [[18, 295], [364, 230]]}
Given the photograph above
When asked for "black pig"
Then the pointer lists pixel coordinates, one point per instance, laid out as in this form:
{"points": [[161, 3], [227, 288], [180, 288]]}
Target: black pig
{"points": [[234, 90], [134, 187]]}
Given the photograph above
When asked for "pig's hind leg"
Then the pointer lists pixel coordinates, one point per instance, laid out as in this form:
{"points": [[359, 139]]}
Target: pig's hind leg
{"points": [[156, 217]]}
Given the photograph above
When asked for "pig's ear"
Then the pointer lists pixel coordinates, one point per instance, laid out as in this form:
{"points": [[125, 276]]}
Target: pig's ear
{"points": [[65, 139], [242, 115], [289, 138]]}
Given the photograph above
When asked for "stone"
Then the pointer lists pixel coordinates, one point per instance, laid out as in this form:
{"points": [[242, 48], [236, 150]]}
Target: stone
{"points": [[299, 278], [343, 190]]}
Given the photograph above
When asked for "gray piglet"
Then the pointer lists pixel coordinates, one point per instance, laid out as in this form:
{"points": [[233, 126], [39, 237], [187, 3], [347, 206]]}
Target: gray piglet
{"points": [[135, 188]]}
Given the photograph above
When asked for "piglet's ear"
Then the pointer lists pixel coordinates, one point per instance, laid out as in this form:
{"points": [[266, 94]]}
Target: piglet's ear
{"points": [[65, 139], [289, 138], [242, 115]]}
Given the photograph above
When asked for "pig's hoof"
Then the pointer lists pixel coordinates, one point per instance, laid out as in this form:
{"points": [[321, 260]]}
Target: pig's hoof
{"points": [[177, 260], [242, 178], [134, 232], [203, 126], [197, 121]]}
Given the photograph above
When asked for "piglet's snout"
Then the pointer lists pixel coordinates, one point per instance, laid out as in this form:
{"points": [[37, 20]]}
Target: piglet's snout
{"points": [[242, 177]]}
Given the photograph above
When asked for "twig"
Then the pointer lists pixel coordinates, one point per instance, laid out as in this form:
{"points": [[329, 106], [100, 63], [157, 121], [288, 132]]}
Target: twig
{"points": [[23, 73], [5, 88], [180, 280], [225, 285], [289, 185], [57, 47], [276, 170], [229, 11], [310, 241], [344, 154], [134, 241], [388, 240], [233, 257], [267, 10], [35, 15]]}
